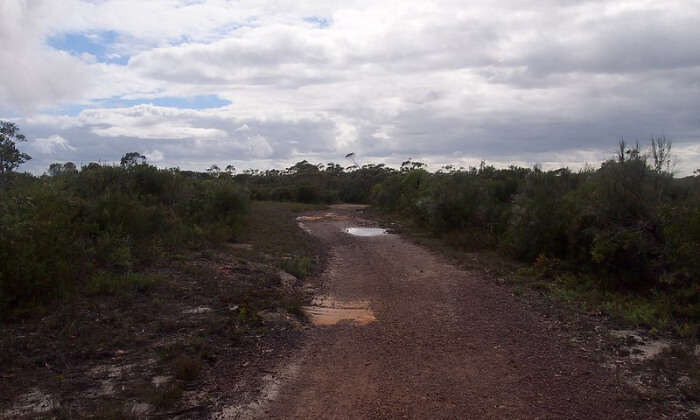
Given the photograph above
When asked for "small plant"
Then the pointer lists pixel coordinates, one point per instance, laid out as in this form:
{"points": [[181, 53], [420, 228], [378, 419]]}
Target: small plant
{"points": [[105, 283], [299, 267], [546, 267], [166, 396], [187, 368]]}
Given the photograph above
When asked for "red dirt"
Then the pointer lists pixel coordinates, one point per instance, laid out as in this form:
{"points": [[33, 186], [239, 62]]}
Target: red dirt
{"points": [[447, 343]]}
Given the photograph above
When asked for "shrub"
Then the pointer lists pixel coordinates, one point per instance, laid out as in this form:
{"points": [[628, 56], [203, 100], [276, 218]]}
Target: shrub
{"points": [[299, 267], [97, 227]]}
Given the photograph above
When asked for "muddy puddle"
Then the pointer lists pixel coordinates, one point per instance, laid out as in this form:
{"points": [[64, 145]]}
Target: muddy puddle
{"points": [[327, 310], [365, 231]]}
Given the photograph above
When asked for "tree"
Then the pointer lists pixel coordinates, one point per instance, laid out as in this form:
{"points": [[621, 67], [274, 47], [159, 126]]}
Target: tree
{"points": [[661, 152], [56, 169], [132, 159], [411, 165], [10, 156], [625, 154], [69, 167], [214, 170]]}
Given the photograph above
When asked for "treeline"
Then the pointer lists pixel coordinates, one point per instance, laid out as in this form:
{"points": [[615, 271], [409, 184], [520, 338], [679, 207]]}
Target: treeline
{"points": [[73, 229], [309, 183]]}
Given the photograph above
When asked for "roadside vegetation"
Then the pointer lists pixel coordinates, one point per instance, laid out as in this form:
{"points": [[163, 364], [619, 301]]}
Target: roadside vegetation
{"points": [[93, 229], [623, 239]]}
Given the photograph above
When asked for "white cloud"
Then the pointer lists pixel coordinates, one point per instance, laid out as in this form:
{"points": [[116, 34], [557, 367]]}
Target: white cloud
{"points": [[259, 147], [49, 145], [154, 156]]}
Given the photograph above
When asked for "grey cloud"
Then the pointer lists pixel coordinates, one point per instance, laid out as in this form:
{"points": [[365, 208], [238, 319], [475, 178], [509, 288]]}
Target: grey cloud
{"points": [[632, 42]]}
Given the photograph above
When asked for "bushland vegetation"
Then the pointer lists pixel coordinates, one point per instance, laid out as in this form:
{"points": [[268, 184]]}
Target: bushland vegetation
{"points": [[91, 229], [625, 236], [309, 183]]}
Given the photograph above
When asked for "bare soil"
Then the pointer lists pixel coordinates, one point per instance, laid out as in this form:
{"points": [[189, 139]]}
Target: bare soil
{"points": [[197, 343], [446, 343]]}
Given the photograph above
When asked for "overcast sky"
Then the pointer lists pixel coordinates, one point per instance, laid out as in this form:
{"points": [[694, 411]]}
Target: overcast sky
{"points": [[268, 83]]}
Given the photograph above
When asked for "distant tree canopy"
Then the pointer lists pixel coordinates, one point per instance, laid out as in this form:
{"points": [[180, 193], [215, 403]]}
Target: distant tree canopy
{"points": [[56, 169], [132, 159], [315, 183]]}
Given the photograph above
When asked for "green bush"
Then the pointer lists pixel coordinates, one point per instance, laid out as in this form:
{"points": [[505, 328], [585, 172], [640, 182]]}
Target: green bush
{"points": [[299, 267], [630, 224], [103, 224], [106, 283]]}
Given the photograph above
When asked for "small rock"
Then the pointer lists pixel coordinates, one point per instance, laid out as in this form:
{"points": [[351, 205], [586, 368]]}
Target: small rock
{"points": [[197, 310], [160, 380], [273, 316], [140, 409], [288, 280], [684, 381]]}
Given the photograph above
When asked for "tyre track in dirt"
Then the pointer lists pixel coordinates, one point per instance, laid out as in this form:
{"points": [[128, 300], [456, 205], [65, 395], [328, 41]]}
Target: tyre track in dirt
{"points": [[446, 343]]}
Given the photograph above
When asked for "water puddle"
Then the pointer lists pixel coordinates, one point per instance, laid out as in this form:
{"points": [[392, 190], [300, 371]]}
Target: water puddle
{"points": [[330, 311], [366, 231]]}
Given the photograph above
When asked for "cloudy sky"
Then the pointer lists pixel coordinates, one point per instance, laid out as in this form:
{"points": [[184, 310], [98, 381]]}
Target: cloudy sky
{"points": [[268, 83]]}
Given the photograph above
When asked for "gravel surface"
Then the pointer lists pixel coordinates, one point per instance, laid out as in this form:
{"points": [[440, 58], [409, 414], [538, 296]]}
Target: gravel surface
{"points": [[446, 343]]}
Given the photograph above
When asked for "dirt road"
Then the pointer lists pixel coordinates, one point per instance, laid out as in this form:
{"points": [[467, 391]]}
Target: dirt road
{"points": [[436, 342]]}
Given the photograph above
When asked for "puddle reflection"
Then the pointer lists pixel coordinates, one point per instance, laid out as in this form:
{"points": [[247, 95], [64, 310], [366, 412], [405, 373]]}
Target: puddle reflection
{"points": [[366, 231]]}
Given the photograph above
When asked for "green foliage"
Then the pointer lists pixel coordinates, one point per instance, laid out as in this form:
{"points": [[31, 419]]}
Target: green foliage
{"points": [[299, 267], [10, 156], [105, 283], [628, 227], [95, 228], [308, 183]]}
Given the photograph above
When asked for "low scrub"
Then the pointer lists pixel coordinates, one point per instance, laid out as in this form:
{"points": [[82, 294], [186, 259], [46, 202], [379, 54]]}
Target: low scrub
{"points": [[299, 267], [628, 229], [96, 227]]}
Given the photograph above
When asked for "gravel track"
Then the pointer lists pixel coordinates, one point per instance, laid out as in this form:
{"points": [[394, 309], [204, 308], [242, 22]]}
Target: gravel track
{"points": [[446, 343]]}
